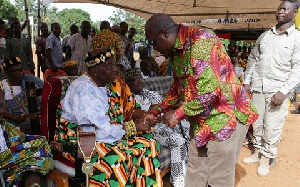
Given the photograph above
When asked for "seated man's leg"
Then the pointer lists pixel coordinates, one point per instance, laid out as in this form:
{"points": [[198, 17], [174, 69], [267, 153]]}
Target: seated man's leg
{"points": [[133, 161]]}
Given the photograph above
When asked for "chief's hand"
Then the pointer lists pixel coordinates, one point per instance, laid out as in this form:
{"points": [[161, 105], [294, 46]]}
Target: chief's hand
{"points": [[170, 119], [277, 99]]}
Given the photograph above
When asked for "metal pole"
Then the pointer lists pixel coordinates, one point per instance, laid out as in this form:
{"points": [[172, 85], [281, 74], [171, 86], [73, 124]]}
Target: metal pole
{"points": [[27, 18], [38, 32]]}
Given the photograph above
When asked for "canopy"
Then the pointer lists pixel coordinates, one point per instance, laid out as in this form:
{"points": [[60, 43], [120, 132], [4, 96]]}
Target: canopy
{"points": [[240, 13]]}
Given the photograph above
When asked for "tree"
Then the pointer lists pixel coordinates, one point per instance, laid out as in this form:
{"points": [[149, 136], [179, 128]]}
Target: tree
{"points": [[32, 9], [67, 17], [132, 20], [7, 10]]}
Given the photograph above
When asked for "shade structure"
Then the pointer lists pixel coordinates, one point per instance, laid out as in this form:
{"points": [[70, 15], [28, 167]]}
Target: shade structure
{"points": [[196, 10]]}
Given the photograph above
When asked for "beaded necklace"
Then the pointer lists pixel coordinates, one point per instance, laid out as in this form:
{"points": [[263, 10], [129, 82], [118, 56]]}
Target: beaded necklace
{"points": [[25, 101]]}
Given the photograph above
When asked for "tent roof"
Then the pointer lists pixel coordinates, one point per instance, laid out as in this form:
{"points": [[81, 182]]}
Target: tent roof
{"points": [[192, 10]]}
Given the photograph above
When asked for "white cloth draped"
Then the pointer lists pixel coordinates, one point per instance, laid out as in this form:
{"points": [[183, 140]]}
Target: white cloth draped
{"points": [[85, 103]]}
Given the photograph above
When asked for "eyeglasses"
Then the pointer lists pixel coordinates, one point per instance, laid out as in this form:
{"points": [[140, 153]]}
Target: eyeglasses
{"points": [[153, 42], [136, 80]]}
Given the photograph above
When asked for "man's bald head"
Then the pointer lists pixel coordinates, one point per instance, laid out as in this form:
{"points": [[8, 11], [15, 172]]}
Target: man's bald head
{"points": [[157, 22]]}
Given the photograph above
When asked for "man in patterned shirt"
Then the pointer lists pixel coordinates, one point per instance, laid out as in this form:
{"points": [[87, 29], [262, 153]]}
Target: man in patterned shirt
{"points": [[214, 101], [107, 39]]}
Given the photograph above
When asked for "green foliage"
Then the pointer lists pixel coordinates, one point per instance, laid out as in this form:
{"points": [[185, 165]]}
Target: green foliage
{"points": [[133, 21], [67, 17], [7, 10], [32, 9]]}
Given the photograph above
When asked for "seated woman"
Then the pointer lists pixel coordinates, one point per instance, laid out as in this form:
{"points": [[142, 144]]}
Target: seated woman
{"points": [[125, 155], [22, 157], [16, 104], [177, 139]]}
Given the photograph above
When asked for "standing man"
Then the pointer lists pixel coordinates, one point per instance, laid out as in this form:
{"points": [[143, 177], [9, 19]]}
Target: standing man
{"points": [[125, 42], [54, 50], [19, 47], [107, 39], [3, 35], [79, 45], [73, 30], [41, 48], [213, 100], [131, 34], [273, 70]]}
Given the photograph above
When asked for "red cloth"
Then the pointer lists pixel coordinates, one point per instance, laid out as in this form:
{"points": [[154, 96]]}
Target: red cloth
{"points": [[50, 101], [50, 74]]}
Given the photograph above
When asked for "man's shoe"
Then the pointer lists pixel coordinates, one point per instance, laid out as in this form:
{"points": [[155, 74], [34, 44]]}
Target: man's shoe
{"points": [[254, 158], [264, 166], [297, 111]]}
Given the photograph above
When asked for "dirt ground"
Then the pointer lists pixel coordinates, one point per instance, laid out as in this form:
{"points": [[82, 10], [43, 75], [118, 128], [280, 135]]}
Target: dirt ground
{"points": [[287, 169], [286, 173]]}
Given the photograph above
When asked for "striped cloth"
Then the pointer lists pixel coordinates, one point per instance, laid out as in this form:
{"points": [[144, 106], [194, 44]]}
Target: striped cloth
{"points": [[130, 162], [25, 153]]}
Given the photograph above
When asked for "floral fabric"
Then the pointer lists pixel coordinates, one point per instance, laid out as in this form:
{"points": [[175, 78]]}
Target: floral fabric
{"points": [[107, 39], [204, 80]]}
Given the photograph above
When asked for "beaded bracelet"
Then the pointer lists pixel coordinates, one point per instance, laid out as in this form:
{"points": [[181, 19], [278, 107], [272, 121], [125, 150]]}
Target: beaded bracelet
{"points": [[130, 128]]}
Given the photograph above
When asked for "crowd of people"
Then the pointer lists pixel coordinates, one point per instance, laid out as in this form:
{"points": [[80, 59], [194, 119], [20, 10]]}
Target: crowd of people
{"points": [[216, 94]]}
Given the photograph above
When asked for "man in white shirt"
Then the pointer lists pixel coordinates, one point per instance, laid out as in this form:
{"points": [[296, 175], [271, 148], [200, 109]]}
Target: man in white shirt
{"points": [[273, 70], [79, 45]]}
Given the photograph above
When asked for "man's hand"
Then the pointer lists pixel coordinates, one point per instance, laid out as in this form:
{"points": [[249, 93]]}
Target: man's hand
{"points": [[19, 118], [142, 126], [277, 99], [247, 88], [170, 119]]}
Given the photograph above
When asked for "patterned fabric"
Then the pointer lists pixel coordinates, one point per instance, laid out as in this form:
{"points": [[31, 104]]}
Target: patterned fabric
{"points": [[18, 105], [66, 81], [159, 84], [107, 39], [124, 59], [176, 140], [25, 153], [40, 45], [126, 162], [79, 48], [204, 80], [134, 71]]}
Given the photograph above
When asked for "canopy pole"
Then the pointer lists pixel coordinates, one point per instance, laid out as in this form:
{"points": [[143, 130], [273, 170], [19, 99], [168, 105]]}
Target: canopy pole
{"points": [[38, 32]]}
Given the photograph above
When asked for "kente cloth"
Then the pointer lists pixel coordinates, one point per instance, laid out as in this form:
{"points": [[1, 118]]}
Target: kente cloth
{"points": [[24, 153], [119, 161], [204, 80], [176, 139], [107, 39], [18, 105]]}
